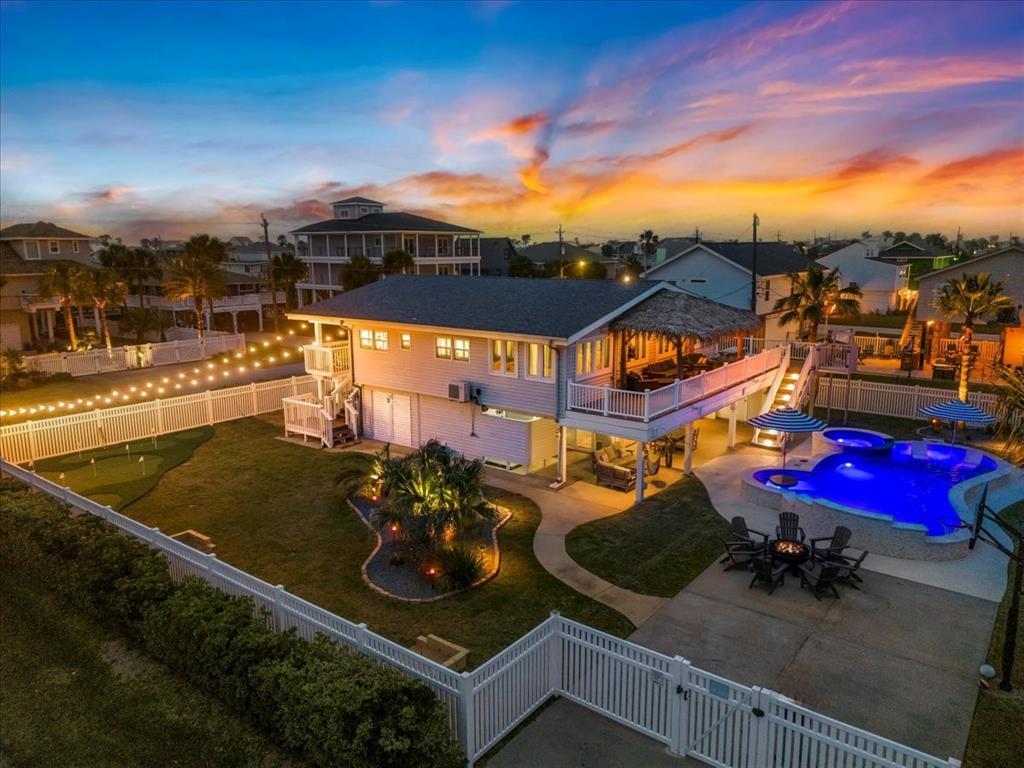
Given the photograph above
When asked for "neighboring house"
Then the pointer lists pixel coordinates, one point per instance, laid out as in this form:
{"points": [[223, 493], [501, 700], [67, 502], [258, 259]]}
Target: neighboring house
{"points": [[251, 257], [495, 254], [721, 271], [517, 371], [668, 247], [884, 284], [1005, 265], [361, 225], [26, 252], [566, 252], [919, 256]]}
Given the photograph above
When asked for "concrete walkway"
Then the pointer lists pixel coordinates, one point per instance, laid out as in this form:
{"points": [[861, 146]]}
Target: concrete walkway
{"points": [[563, 510]]}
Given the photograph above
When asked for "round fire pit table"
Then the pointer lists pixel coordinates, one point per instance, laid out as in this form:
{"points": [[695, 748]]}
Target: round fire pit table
{"points": [[792, 553]]}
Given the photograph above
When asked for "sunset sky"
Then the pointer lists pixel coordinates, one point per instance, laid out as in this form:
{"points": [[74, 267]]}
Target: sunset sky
{"points": [[146, 119]]}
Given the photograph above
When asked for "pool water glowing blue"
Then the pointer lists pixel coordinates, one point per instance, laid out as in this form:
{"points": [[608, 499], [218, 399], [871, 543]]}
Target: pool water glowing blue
{"points": [[911, 490]]}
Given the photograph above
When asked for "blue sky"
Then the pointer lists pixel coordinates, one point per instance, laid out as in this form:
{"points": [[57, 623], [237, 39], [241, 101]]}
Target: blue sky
{"points": [[158, 118]]}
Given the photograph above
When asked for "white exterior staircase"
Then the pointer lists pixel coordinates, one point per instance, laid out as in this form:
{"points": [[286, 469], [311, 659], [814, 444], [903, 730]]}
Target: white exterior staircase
{"points": [[332, 414], [791, 389]]}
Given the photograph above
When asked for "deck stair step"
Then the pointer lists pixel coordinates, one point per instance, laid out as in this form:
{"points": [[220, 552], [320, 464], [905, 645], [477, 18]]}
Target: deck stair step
{"points": [[342, 434]]}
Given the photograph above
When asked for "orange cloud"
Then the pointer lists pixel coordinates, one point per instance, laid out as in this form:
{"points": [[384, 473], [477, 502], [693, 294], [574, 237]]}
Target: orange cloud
{"points": [[1007, 162]]}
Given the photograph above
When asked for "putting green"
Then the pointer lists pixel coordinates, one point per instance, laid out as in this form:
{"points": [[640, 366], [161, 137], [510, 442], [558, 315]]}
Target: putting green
{"points": [[120, 474]]}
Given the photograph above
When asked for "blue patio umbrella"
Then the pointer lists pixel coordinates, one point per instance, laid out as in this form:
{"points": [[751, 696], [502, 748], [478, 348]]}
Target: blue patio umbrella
{"points": [[788, 420], [957, 411]]}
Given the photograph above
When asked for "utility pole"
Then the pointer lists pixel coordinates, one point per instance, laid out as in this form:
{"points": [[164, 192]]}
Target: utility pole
{"points": [[270, 272], [561, 254], [696, 234], [958, 240], [753, 269]]}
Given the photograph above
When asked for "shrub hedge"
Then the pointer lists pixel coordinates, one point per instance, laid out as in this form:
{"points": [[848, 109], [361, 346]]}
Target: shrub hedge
{"points": [[334, 707]]}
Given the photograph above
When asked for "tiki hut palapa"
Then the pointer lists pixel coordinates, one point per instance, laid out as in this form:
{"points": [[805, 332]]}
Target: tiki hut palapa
{"points": [[682, 318]]}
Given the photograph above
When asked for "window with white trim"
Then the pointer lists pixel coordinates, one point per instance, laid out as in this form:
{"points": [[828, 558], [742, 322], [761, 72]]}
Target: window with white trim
{"points": [[53, 246], [592, 356], [370, 338], [461, 350], [365, 338], [410, 245], [503, 357], [637, 349], [406, 341], [443, 347], [443, 247], [32, 253], [380, 341], [540, 361], [74, 246]]}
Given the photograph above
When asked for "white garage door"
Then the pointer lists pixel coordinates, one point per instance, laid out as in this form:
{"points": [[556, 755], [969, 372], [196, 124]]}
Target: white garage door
{"points": [[392, 418]]}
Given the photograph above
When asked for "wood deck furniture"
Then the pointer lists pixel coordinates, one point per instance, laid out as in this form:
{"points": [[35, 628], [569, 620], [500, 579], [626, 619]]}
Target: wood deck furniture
{"points": [[196, 540]]}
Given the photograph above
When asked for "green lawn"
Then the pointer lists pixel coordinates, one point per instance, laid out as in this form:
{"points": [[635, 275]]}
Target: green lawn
{"points": [[272, 509], [656, 547], [117, 476], [996, 730], [73, 695]]}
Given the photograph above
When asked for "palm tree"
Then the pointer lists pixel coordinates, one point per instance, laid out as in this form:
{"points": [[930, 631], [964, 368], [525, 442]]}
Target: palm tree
{"points": [[1010, 413], [648, 244], [59, 282], [398, 262], [359, 271], [288, 270], [193, 276], [971, 297], [103, 287], [134, 265], [815, 298]]}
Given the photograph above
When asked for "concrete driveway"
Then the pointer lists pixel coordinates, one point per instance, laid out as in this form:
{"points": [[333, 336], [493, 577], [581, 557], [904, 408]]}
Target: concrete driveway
{"points": [[897, 658]]}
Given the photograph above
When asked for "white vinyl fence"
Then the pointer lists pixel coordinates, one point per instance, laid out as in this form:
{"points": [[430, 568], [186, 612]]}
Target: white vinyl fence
{"points": [[93, 361], [692, 712], [898, 400], [34, 440]]}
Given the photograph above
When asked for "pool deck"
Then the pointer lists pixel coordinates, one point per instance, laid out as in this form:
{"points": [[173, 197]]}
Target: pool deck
{"points": [[981, 574]]}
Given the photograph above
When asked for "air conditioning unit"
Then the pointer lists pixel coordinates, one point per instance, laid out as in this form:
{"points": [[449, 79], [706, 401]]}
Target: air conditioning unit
{"points": [[460, 391]]}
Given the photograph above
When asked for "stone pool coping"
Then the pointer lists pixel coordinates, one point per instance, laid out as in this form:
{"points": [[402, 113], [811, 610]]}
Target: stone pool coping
{"points": [[878, 532], [504, 515]]}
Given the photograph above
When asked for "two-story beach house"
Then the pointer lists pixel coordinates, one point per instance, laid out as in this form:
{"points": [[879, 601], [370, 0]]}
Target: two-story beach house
{"points": [[361, 225], [26, 252], [884, 283], [517, 371]]}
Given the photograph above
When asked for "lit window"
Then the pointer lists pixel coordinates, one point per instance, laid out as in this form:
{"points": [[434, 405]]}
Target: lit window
{"points": [[380, 341], [461, 350], [366, 338], [74, 246], [443, 347], [503, 357], [53, 246], [406, 340], [540, 364]]}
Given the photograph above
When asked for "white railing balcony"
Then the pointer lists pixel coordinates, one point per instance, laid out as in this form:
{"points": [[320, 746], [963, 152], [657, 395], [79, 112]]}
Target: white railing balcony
{"points": [[31, 302], [223, 304], [332, 359], [829, 356], [645, 406]]}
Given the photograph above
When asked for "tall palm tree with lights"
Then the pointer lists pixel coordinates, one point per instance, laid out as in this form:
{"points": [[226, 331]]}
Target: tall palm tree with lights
{"points": [[289, 269], [102, 287], [648, 245], [60, 282], [970, 298], [816, 296], [195, 277]]}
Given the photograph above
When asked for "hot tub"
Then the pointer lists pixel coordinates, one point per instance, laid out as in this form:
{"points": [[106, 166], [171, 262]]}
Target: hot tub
{"points": [[858, 440]]}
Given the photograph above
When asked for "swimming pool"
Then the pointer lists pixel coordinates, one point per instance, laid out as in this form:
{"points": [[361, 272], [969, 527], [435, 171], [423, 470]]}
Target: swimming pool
{"points": [[909, 485]]}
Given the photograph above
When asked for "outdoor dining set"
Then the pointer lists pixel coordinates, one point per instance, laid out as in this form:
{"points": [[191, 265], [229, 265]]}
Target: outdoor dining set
{"points": [[821, 562]]}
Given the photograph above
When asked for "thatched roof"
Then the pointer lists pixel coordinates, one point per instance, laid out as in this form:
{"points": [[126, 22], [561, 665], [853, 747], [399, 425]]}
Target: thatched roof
{"points": [[681, 315]]}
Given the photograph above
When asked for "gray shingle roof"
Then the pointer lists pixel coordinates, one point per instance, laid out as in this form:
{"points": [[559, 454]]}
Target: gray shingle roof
{"points": [[555, 309], [363, 200], [39, 229], [12, 264], [382, 222], [772, 258]]}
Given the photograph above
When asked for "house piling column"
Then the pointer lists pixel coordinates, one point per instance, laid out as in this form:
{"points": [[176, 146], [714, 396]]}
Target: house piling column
{"points": [[641, 481], [234, 321], [562, 468], [50, 323], [318, 334], [96, 319], [731, 439], [688, 451], [259, 316]]}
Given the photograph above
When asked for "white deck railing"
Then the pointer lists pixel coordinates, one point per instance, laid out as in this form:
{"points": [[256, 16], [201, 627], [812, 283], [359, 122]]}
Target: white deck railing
{"points": [[644, 406], [223, 304], [331, 359], [304, 415]]}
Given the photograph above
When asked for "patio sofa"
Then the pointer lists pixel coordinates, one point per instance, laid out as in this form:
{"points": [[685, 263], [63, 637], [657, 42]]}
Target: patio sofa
{"points": [[611, 468]]}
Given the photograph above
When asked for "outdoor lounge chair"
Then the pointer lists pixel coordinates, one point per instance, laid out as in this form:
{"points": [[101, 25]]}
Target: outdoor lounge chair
{"points": [[739, 555], [741, 534], [610, 469], [767, 573], [837, 542], [819, 578], [848, 568], [789, 527]]}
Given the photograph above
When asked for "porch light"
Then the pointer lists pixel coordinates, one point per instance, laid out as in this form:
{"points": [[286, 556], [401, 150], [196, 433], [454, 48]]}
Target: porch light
{"points": [[627, 277]]}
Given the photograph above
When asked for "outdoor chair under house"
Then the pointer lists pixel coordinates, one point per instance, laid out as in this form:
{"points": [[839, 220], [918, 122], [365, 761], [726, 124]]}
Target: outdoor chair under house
{"points": [[837, 542], [819, 579], [767, 573], [789, 527]]}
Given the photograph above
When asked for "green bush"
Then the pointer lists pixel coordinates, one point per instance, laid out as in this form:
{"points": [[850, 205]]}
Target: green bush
{"points": [[335, 707], [460, 567]]}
